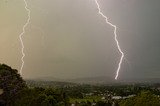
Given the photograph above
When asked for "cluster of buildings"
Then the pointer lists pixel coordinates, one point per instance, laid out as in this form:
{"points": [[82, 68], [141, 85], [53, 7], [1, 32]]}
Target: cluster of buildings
{"points": [[106, 96]]}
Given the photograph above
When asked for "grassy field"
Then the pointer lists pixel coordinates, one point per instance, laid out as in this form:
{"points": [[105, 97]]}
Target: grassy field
{"points": [[85, 99]]}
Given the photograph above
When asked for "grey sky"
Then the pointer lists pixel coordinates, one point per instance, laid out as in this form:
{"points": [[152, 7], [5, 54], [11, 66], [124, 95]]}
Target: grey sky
{"points": [[67, 38]]}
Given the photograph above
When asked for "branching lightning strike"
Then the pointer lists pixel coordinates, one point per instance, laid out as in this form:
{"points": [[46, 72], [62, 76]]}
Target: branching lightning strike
{"points": [[21, 35], [115, 37]]}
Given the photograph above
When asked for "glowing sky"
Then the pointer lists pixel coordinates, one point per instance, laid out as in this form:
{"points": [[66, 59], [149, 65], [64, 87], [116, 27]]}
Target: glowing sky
{"points": [[67, 38]]}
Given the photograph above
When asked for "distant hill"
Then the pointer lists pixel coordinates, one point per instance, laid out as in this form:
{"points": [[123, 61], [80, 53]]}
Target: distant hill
{"points": [[85, 80], [100, 80], [141, 80], [46, 78], [54, 84], [92, 80]]}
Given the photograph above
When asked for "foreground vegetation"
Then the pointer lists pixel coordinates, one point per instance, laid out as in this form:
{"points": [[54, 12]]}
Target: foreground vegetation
{"points": [[14, 91]]}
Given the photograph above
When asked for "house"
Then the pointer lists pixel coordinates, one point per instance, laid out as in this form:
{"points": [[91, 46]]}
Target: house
{"points": [[103, 98], [129, 96], [116, 97]]}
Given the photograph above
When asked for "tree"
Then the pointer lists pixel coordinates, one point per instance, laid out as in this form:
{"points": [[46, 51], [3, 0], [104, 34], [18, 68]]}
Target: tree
{"points": [[14, 91], [145, 98], [11, 83]]}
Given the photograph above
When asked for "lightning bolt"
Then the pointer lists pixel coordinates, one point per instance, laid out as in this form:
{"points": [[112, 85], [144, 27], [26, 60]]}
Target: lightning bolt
{"points": [[115, 37], [23, 32]]}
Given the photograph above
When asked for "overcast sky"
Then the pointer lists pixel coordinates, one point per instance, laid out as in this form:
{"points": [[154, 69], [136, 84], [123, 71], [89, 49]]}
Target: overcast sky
{"points": [[69, 39]]}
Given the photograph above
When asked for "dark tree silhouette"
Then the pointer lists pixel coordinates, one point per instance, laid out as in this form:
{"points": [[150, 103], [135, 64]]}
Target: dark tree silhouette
{"points": [[11, 83]]}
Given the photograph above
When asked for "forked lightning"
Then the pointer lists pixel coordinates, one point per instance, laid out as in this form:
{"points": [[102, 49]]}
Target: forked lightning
{"points": [[23, 32], [115, 37], [99, 11]]}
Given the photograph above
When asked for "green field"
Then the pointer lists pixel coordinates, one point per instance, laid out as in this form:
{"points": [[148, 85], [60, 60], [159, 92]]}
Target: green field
{"points": [[85, 99]]}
